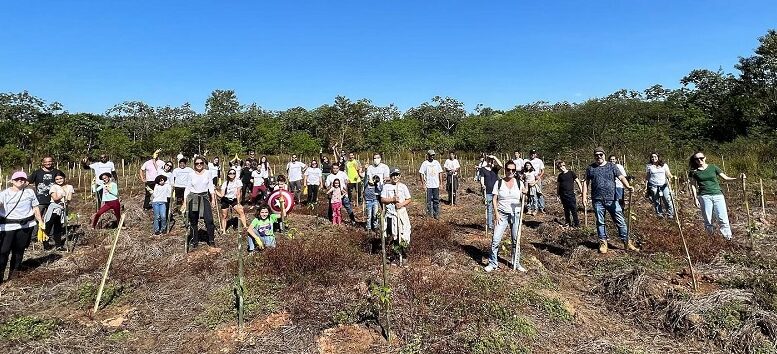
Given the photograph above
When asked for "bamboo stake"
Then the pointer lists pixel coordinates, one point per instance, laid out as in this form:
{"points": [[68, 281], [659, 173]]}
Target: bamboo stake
{"points": [[682, 237], [763, 200], [520, 227], [383, 266], [240, 284], [723, 162], [747, 210], [108, 265]]}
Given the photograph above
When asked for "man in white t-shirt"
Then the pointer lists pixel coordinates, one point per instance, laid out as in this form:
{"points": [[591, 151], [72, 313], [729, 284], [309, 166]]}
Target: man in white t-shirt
{"points": [[294, 170], [430, 174], [395, 197], [181, 178], [337, 174], [538, 166], [452, 167], [100, 167], [148, 172], [377, 168], [519, 162]]}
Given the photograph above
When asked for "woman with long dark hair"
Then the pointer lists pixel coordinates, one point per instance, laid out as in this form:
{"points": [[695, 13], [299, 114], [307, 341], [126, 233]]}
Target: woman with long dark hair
{"points": [[707, 193], [229, 196], [658, 177], [200, 199]]}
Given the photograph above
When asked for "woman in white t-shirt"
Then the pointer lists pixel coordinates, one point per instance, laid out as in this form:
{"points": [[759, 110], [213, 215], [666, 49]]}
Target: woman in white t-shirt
{"points": [[658, 177], [61, 194], [19, 214], [312, 181], [229, 196], [507, 202], [529, 176]]}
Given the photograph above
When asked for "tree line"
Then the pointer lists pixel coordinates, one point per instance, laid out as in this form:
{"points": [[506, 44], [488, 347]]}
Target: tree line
{"points": [[731, 113]]}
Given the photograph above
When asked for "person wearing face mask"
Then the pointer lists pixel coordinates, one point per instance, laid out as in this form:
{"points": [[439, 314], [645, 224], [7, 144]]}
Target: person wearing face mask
{"points": [[507, 193], [452, 167], [377, 168], [431, 175], [600, 177], [19, 214], [313, 181]]}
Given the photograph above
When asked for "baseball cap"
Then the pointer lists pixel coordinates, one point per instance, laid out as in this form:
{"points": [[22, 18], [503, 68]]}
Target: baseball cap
{"points": [[599, 149], [18, 174], [431, 152], [532, 152], [395, 171]]}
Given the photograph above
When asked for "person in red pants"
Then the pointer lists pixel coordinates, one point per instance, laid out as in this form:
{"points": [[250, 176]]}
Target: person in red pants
{"points": [[109, 191]]}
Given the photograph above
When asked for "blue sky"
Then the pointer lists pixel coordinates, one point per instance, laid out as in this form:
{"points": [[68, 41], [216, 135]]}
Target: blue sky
{"points": [[90, 55]]}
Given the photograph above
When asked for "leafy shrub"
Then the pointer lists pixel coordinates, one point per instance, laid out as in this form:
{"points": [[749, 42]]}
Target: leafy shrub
{"points": [[26, 328]]}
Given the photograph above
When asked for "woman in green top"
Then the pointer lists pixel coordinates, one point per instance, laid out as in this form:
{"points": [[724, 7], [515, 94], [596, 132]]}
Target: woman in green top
{"points": [[110, 197], [709, 198], [261, 230]]}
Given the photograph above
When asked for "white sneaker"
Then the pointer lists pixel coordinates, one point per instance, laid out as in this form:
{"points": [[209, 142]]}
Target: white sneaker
{"points": [[489, 268], [520, 268]]}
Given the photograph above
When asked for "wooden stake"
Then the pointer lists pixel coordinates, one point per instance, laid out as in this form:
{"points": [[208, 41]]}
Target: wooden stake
{"points": [[682, 237], [108, 265], [520, 227], [723, 162], [747, 210], [763, 200], [383, 266]]}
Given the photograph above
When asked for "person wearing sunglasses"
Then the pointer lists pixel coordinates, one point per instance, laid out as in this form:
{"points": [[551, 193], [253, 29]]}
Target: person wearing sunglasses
{"points": [[507, 192], [707, 194], [600, 177], [658, 177], [200, 199], [19, 214], [312, 181], [229, 194]]}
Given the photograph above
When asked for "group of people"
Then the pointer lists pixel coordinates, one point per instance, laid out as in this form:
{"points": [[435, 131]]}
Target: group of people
{"points": [[40, 200]]}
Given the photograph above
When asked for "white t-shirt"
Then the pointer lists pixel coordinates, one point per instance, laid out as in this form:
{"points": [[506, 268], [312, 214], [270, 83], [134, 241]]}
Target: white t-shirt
{"points": [[66, 190], [230, 191], [519, 162], [537, 164], [100, 168], [256, 178], [390, 191], [17, 205], [381, 170], [182, 177], [214, 170], [657, 174], [451, 165], [618, 183], [530, 177], [340, 175], [264, 170], [431, 172], [314, 176], [152, 169], [200, 183], [161, 193], [295, 170], [508, 199]]}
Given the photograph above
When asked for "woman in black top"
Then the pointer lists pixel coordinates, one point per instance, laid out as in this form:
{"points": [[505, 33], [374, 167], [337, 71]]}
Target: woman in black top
{"points": [[326, 166], [245, 178], [566, 192]]}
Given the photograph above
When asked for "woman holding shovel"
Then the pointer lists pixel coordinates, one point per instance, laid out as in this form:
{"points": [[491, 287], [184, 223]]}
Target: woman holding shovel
{"points": [[508, 202]]}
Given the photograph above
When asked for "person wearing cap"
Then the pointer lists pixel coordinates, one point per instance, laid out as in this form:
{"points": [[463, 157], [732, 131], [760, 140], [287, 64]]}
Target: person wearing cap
{"points": [[600, 177], [103, 166], [431, 176], [489, 174], [19, 214], [147, 174], [337, 174], [539, 166], [452, 167], [395, 197], [109, 191]]}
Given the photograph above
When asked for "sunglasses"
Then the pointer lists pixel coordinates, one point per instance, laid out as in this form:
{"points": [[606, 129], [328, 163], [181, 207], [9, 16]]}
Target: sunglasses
{"points": [[510, 169], [700, 157], [598, 154], [20, 180], [199, 163]]}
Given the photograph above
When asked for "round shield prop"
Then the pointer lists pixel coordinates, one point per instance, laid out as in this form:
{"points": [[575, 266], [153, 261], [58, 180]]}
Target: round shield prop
{"points": [[274, 201]]}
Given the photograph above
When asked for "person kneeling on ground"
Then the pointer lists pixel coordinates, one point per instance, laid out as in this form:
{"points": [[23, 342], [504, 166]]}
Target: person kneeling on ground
{"points": [[261, 232], [395, 197]]}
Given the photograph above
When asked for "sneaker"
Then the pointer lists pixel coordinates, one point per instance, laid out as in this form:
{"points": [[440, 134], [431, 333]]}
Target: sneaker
{"points": [[157, 233], [520, 268], [489, 268], [212, 244], [603, 246], [630, 246]]}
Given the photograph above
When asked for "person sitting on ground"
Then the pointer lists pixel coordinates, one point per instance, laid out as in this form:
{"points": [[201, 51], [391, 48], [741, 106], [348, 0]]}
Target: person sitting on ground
{"points": [[566, 192], [261, 232], [160, 195], [657, 177], [600, 177], [531, 180], [229, 197], [710, 199], [395, 198], [19, 215], [336, 192], [61, 194], [507, 192], [109, 194]]}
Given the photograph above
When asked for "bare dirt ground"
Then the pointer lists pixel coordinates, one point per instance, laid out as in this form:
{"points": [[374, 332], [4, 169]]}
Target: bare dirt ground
{"points": [[318, 292]]}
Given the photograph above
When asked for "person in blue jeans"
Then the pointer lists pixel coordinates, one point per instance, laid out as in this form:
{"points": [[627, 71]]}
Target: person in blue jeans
{"points": [[159, 195], [489, 174], [600, 176], [507, 194], [372, 192]]}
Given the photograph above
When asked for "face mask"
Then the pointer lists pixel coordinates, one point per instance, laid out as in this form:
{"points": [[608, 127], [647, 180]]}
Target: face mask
{"points": [[376, 161]]}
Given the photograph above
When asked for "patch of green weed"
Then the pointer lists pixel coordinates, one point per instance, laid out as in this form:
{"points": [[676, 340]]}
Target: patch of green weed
{"points": [[26, 328]]}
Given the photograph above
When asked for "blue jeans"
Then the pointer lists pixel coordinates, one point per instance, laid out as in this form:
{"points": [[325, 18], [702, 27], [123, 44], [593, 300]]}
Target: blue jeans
{"points": [[656, 193], [269, 242], [619, 197], [160, 216], [540, 197], [508, 219], [433, 202], [614, 208], [490, 210], [372, 214], [715, 206]]}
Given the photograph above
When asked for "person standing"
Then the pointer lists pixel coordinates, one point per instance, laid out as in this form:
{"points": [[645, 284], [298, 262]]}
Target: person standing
{"points": [[657, 175], [312, 182], [19, 213], [372, 190], [489, 174], [395, 198], [340, 175], [336, 193], [539, 166], [105, 165], [430, 174], [566, 192], [182, 176], [229, 197], [377, 168], [707, 194], [159, 197], [452, 167], [294, 170], [507, 192], [42, 180], [519, 162], [214, 167], [619, 192], [61, 194], [200, 199], [148, 172], [110, 197], [251, 159], [353, 168], [245, 179], [529, 176], [600, 177], [326, 166]]}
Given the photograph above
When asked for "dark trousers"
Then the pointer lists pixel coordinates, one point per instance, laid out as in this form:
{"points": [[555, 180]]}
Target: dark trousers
{"points": [[179, 195], [433, 202], [13, 243], [245, 192], [357, 187], [56, 229], [569, 201], [207, 215], [312, 193], [147, 197]]}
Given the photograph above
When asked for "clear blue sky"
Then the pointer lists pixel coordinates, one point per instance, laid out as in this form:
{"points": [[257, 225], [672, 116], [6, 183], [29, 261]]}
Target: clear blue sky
{"points": [[90, 55]]}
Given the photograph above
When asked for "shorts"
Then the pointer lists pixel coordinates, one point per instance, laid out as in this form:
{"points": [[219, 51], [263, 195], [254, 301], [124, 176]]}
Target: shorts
{"points": [[227, 202]]}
